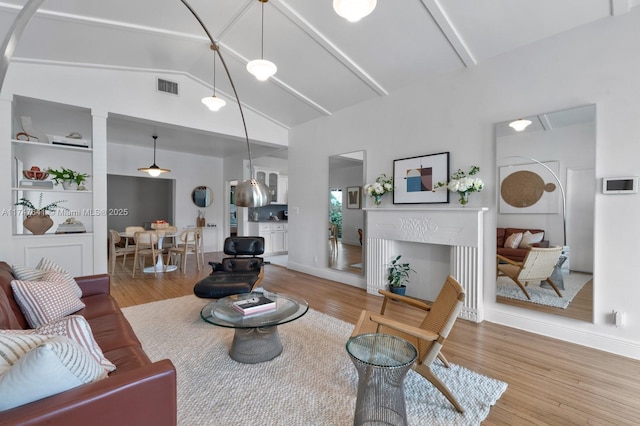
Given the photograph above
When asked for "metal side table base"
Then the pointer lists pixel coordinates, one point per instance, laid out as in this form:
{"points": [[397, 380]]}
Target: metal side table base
{"points": [[254, 345]]}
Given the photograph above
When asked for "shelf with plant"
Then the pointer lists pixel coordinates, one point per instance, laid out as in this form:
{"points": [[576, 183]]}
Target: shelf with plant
{"points": [[38, 145], [67, 177]]}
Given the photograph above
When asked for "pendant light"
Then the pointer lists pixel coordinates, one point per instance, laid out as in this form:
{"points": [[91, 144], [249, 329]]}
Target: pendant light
{"points": [[153, 170], [213, 102], [354, 10], [520, 124], [249, 193], [261, 68]]}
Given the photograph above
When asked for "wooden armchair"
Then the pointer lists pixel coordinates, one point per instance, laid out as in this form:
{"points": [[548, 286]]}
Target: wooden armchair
{"points": [[429, 336], [537, 266]]}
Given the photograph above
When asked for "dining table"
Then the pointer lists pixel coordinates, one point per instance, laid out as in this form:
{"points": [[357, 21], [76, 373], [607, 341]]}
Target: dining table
{"points": [[159, 265]]}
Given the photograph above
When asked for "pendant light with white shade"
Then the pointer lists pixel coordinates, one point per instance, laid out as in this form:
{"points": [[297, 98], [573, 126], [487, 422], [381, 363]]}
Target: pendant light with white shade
{"points": [[354, 10], [261, 68], [154, 170], [213, 102], [520, 124]]}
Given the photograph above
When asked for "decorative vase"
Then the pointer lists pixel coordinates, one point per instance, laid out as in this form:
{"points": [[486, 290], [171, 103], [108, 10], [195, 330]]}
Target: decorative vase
{"points": [[398, 290], [377, 199], [200, 222], [67, 185], [464, 198], [38, 223]]}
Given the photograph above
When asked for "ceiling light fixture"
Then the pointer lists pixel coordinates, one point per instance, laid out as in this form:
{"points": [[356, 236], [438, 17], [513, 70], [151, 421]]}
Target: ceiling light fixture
{"points": [[249, 193], [261, 68], [520, 124], [213, 102], [354, 10], [154, 170]]}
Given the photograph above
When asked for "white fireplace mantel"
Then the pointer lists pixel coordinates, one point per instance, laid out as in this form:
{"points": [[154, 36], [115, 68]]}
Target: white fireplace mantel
{"points": [[459, 228]]}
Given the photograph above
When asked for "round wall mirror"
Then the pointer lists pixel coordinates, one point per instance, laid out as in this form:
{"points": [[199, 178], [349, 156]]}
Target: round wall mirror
{"points": [[202, 196]]}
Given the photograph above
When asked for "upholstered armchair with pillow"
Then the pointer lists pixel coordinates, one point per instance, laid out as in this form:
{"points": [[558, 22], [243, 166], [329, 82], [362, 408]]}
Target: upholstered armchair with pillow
{"points": [[69, 356], [513, 243]]}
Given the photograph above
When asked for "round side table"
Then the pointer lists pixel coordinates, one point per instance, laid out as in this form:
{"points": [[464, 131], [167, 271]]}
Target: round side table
{"points": [[382, 362]]}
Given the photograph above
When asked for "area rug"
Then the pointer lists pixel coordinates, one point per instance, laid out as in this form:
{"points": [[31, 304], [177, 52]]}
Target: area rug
{"points": [[313, 381], [573, 283]]}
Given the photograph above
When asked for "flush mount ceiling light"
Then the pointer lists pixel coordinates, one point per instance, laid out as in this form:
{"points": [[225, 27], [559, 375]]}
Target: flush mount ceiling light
{"points": [[153, 169], [354, 10], [213, 102], [261, 68], [520, 124]]}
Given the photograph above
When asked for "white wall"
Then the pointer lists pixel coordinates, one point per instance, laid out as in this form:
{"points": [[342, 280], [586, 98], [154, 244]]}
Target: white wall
{"points": [[456, 113]]}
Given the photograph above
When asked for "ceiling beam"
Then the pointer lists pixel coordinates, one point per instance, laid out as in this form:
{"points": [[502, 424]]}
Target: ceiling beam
{"points": [[448, 30], [326, 44]]}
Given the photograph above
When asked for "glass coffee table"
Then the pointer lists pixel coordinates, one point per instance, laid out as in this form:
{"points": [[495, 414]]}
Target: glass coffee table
{"points": [[256, 336]]}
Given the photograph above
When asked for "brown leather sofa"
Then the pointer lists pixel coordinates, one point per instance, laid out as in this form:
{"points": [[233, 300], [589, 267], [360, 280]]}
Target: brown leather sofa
{"points": [[138, 392], [515, 254]]}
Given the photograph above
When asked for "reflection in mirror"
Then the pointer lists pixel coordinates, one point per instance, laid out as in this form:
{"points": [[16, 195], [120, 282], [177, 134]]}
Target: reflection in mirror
{"points": [[202, 196], [546, 195], [346, 218]]}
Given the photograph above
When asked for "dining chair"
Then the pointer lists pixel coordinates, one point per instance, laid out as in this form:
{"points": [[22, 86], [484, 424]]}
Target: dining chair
{"points": [[170, 240], [188, 243], [115, 250], [333, 238], [129, 231], [146, 244]]}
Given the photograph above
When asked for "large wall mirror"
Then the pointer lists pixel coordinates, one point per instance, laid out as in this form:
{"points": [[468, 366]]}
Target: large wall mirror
{"points": [[345, 225], [546, 183]]}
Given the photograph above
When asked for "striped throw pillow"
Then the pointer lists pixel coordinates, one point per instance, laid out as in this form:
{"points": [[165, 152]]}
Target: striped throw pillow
{"points": [[53, 365], [77, 329], [25, 273]]}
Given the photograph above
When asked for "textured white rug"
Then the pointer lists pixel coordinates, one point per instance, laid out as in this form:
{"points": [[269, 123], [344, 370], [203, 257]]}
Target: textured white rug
{"points": [[313, 381], [573, 282]]}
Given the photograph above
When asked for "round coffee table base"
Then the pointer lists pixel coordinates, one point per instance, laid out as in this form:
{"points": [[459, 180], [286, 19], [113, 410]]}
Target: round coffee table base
{"points": [[255, 345]]}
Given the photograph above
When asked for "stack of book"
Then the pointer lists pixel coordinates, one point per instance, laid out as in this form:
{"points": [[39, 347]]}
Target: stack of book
{"points": [[254, 305], [44, 184]]}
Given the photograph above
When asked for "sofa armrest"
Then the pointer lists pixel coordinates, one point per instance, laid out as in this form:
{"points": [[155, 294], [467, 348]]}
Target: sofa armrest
{"points": [[146, 395], [94, 284]]}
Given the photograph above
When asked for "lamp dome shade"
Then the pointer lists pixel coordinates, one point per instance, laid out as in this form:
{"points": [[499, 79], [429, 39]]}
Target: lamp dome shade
{"points": [[214, 103], [262, 69], [251, 193], [354, 10], [519, 125]]}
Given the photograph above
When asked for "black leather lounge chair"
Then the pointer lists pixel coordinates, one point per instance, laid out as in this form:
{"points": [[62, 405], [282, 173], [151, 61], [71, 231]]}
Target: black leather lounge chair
{"points": [[238, 274]]}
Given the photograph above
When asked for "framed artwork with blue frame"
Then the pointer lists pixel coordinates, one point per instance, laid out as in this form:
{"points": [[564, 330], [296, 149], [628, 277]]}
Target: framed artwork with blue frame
{"points": [[415, 177]]}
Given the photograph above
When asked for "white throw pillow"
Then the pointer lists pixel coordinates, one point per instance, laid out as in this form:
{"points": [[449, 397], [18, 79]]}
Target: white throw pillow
{"points": [[56, 365], [528, 238], [513, 240], [74, 327], [42, 302]]}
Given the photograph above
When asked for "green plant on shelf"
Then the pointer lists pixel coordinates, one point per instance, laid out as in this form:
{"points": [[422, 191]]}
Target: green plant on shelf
{"points": [[67, 175]]}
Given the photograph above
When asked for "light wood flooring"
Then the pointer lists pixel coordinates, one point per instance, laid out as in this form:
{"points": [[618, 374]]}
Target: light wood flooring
{"points": [[550, 382]]}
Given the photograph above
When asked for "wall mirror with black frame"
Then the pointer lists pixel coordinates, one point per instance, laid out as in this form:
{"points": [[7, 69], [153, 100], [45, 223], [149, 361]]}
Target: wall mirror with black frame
{"points": [[202, 196], [345, 225], [546, 183]]}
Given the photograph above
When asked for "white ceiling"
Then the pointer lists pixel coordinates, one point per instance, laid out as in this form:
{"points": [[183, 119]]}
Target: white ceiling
{"points": [[325, 63]]}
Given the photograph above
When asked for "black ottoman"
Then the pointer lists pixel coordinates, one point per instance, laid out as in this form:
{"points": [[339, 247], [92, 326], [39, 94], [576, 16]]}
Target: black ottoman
{"points": [[217, 286]]}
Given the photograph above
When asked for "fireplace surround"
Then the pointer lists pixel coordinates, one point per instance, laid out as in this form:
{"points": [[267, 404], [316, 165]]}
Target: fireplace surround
{"points": [[459, 228]]}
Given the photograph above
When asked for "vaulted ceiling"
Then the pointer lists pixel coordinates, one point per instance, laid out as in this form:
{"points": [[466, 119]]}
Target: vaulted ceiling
{"points": [[325, 63]]}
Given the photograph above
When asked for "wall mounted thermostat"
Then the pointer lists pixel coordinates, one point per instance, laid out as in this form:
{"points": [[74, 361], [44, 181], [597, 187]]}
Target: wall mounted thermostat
{"points": [[620, 185]]}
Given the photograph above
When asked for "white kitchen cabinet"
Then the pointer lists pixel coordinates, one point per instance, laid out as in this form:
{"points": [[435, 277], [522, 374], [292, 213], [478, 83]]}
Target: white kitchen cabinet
{"points": [[274, 234], [283, 190], [273, 180]]}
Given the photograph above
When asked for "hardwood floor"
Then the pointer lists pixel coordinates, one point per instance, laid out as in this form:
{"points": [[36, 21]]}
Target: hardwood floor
{"points": [[550, 382]]}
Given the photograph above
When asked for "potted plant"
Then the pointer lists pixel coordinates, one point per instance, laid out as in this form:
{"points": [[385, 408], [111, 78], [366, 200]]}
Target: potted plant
{"points": [[398, 275], [38, 221], [66, 177]]}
